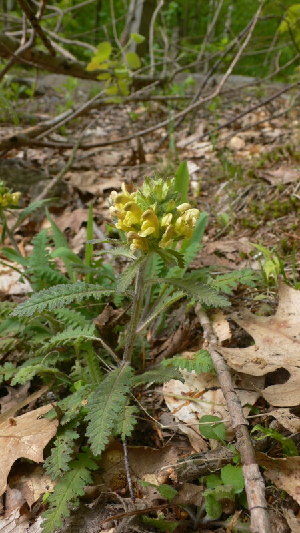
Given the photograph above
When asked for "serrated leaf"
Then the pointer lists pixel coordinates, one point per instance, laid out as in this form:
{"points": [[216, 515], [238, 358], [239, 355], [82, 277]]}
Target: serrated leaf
{"points": [[161, 307], [127, 276], [61, 453], [105, 406], [60, 296], [200, 362], [199, 291], [126, 422], [67, 491], [120, 250], [31, 208], [133, 60], [212, 427], [158, 375]]}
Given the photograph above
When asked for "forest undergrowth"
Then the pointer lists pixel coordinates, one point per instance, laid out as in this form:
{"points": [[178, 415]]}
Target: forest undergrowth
{"points": [[114, 305]]}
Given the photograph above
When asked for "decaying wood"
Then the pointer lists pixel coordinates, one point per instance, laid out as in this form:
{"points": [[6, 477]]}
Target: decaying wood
{"points": [[254, 483], [202, 464]]}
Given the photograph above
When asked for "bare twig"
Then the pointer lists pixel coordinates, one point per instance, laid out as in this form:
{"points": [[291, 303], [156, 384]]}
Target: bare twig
{"points": [[151, 35], [35, 25], [127, 470], [254, 483]]}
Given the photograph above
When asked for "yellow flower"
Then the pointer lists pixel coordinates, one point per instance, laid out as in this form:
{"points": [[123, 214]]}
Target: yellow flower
{"points": [[150, 224], [137, 242], [133, 214], [167, 237], [183, 207], [185, 224], [166, 220]]}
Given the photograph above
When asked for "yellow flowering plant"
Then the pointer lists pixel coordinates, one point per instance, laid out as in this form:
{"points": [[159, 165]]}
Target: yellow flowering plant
{"points": [[153, 218]]}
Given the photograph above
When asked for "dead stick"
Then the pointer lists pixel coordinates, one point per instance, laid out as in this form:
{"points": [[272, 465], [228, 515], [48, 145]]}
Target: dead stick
{"points": [[254, 483]]}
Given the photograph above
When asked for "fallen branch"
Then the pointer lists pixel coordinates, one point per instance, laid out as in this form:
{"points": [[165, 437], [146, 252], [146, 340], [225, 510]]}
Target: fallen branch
{"points": [[254, 483]]}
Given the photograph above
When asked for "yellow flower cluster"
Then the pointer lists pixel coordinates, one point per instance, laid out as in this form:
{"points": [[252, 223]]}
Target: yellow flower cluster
{"points": [[151, 217], [7, 197]]}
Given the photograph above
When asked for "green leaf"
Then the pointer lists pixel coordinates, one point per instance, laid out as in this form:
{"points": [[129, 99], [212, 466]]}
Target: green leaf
{"points": [[31, 208], [160, 308], [198, 291], [137, 38], [212, 427], [160, 523], [289, 448], [133, 60], [212, 481], [60, 296], [67, 491], [192, 246], [182, 181], [66, 254], [89, 248], [119, 251], [233, 475], [167, 492], [12, 255], [213, 507], [61, 242], [200, 362], [127, 276], [106, 405], [126, 422], [61, 453], [158, 375], [104, 51]]}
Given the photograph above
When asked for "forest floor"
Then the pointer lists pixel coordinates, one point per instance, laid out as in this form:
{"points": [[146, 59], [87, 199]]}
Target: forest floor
{"points": [[246, 175]]}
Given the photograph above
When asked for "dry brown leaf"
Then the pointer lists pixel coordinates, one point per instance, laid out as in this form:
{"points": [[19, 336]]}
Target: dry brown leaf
{"points": [[24, 436], [72, 220], [10, 280], [201, 395], [284, 473], [18, 522], [145, 463], [90, 181], [236, 245], [32, 483], [287, 419], [277, 344], [281, 175], [221, 326]]}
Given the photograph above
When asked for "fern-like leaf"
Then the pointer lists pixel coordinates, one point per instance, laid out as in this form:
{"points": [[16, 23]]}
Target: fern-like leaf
{"points": [[126, 422], [162, 306], [72, 404], [127, 276], [200, 292], [31, 208], [60, 296], [7, 371], [161, 374], [200, 362], [69, 335], [227, 283], [67, 491], [61, 453], [106, 405], [70, 317]]}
